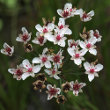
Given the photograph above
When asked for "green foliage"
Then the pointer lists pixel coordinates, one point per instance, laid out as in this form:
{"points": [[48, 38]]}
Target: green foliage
{"points": [[19, 95]]}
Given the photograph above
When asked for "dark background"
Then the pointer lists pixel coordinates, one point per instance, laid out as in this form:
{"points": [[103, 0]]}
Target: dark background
{"points": [[19, 95]]}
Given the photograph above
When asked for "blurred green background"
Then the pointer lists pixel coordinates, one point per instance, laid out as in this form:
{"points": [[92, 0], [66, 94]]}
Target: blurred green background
{"points": [[19, 95]]}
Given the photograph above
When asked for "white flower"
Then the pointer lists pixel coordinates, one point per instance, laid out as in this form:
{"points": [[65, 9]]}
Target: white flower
{"points": [[92, 70], [77, 87], [46, 30], [76, 55], [68, 11], [18, 72], [86, 16], [25, 37], [53, 72], [72, 43], [43, 60], [61, 25], [39, 39], [88, 45], [7, 50], [96, 34], [52, 91], [57, 59], [58, 38], [30, 69]]}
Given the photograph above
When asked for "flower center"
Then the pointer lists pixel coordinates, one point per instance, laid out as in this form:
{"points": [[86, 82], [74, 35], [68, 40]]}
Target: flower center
{"points": [[71, 10], [96, 34], [92, 71], [45, 30], [61, 26], [84, 16], [30, 70], [77, 55], [19, 72], [65, 14], [73, 44], [41, 39], [8, 50], [44, 59], [56, 58], [24, 37], [53, 71], [88, 45], [58, 37], [76, 87], [53, 91]]}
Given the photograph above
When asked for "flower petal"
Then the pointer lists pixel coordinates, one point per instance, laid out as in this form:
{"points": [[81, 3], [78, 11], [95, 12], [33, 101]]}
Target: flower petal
{"points": [[56, 77], [93, 51], [87, 66], [47, 64], [91, 77], [98, 67], [36, 60], [36, 68], [77, 61], [26, 64], [25, 75], [38, 27]]}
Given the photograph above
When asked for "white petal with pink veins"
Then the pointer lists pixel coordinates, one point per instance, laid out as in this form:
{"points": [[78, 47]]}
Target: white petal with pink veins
{"points": [[39, 27], [71, 51], [49, 37], [92, 40], [90, 77], [98, 67], [87, 66], [19, 39], [36, 60], [77, 61], [68, 31], [68, 6], [36, 68], [62, 42], [61, 22], [93, 51], [82, 44], [91, 13], [56, 77], [49, 86], [24, 30], [12, 71], [26, 64], [59, 11], [50, 26], [47, 64], [25, 75]]}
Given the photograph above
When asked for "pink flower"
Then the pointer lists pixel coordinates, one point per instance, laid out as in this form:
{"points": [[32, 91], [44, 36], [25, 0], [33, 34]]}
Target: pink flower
{"points": [[77, 87], [92, 70], [18, 72], [7, 50], [30, 69], [86, 16], [68, 11], [43, 60], [96, 34], [39, 39], [76, 55], [89, 45], [53, 72], [52, 91], [25, 37]]}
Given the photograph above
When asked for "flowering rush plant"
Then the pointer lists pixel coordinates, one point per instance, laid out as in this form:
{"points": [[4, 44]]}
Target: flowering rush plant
{"points": [[51, 63]]}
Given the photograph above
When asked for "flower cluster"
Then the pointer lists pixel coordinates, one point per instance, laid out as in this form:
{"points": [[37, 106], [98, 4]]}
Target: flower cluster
{"points": [[51, 63]]}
